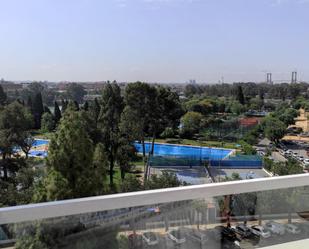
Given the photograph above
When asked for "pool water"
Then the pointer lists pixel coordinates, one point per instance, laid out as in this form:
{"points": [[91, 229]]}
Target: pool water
{"points": [[165, 150], [39, 142], [184, 151], [38, 153]]}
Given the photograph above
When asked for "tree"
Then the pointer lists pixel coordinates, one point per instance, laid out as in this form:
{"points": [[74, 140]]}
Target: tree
{"points": [[273, 128], [29, 104], [125, 154], [192, 89], [3, 96], [27, 144], [288, 168], [130, 183], [15, 121], [169, 109], [140, 111], [237, 108], [18, 187], [247, 148], [288, 116], [35, 87], [64, 104], [70, 160], [47, 122], [47, 110], [190, 123], [239, 95], [76, 92], [109, 119], [57, 113], [166, 180], [38, 110], [101, 166], [167, 133]]}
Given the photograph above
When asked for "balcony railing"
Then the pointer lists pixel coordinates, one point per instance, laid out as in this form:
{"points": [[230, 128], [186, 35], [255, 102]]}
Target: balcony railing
{"points": [[239, 214]]}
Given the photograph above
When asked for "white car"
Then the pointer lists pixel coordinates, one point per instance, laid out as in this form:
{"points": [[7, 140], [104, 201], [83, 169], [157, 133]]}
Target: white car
{"points": [[306, 161], [260, 231], [150, 238], [290, 228], [295, 154], [177, 236], [275, 227], [300, 158]]}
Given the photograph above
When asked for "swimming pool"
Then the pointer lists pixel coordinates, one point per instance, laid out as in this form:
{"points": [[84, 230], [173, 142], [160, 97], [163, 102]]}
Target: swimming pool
{"points": [[37, 153], [170, 150], [184, 151], [39, 142]]}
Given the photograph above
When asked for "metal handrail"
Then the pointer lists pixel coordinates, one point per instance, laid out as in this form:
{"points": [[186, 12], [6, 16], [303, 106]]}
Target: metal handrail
{"points": [[53, 209]]}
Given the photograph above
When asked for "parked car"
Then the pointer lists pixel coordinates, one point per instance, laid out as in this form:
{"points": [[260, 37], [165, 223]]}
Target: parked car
{"points": [[260, 231], [287, 154], [150, 238], [291, 228], [300, 158], [261, 153], [177, 236], [275, 227], [225, 233], [306, 161], [196, 235], [244, 231]]}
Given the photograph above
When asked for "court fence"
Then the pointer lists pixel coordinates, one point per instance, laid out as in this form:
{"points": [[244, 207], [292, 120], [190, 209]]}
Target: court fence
{"points": [[233, 161]]}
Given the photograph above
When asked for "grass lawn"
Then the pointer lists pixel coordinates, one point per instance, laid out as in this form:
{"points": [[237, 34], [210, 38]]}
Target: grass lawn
{"points": [[138, 170], [199, 143]]}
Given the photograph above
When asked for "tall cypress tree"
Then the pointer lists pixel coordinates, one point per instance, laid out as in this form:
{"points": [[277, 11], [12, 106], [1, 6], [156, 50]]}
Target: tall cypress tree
{"points": [[63, 105], [76, 105], [109, 119], [86, 106], [38, 110], [96, 108], [46, 109], [3, 96], [240, 96], [57, 113]]}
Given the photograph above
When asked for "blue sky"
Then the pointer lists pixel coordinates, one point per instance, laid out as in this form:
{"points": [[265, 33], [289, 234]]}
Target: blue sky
{"points": [[153, 40]]}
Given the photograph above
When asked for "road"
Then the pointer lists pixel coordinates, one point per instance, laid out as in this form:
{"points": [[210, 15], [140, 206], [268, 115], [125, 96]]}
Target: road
{"points": [[278, 157]]}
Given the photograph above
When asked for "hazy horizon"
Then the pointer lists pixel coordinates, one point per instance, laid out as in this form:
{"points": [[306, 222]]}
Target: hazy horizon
{"points": [[164, 41]]}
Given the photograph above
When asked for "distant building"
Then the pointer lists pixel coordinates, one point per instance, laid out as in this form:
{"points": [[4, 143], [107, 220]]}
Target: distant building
{"points": [[10, 86]]}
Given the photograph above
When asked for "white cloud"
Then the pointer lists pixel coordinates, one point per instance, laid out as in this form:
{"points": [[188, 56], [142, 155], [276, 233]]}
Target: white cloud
{"points": [[280, 2]]}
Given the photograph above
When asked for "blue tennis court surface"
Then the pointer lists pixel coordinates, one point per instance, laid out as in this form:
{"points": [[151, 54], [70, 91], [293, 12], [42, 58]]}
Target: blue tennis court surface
{"points": [[184, 151]]}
